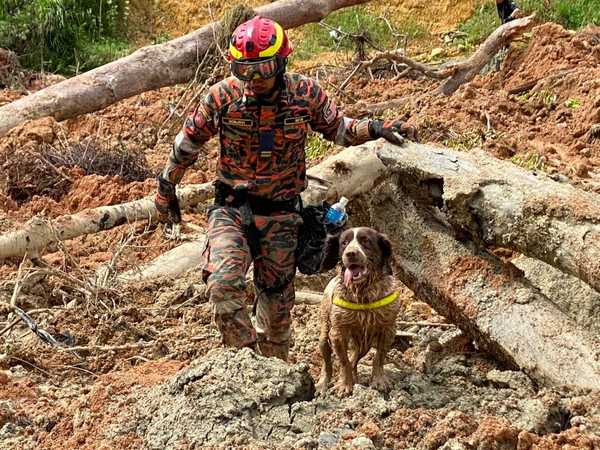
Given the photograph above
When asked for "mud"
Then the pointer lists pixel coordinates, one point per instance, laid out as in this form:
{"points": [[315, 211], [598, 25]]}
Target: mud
{"points": [[447, 393]]}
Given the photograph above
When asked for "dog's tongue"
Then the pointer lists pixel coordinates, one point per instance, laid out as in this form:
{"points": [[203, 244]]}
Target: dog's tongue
{"points": [[347, 277], [350, 273]]}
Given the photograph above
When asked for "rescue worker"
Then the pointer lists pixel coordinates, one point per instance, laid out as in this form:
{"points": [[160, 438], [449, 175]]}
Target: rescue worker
{"points": [[507, 10], [262, 116]]}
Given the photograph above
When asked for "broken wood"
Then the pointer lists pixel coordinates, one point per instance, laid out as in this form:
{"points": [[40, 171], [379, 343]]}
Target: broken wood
{"points": [[465, 71], [170, 264], [461, 72], [496, 203], [148, 68], [38, 233], [488, 299]]}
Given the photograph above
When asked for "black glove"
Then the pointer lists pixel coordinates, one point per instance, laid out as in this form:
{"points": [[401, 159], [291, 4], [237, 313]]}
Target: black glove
{"points": [[166, 202], [394, 131]]}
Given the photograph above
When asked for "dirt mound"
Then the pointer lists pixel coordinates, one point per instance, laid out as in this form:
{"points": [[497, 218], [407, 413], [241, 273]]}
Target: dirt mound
{"points": [[37, 166], [228, 397]]}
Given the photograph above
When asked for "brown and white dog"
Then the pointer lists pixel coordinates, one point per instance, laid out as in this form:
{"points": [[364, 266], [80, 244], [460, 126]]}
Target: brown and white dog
{"points": [[359, 309]]}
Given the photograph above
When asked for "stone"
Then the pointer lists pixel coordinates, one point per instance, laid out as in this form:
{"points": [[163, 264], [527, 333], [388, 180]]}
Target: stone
{"points": [[362, 442], [327, 440], [453, 444]]}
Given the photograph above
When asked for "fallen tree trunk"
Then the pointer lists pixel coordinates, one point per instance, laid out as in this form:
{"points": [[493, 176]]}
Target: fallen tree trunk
{"points": [[490, 300], [496, 203], [148, 68], [353, 176], [170, 264], [38, 233], [465, 71]]}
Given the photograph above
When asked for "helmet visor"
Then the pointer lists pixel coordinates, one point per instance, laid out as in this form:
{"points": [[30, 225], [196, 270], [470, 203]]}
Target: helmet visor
{"points": [[248, 70]]}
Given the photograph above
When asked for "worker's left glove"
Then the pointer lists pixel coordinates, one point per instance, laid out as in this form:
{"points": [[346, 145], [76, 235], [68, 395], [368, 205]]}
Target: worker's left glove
{"points": [[394, 131], [166, 202]]}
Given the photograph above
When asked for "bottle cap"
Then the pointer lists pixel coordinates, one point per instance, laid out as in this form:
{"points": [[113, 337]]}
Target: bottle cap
{"points": [[344, 201]]}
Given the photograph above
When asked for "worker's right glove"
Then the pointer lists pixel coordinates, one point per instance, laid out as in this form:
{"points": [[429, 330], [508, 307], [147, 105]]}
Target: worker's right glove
{"points": [[394, 131], [166, 202]]}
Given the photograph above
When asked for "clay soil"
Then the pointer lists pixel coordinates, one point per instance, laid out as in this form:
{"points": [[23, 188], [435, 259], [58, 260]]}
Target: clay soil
{"points": [[53, 399]]}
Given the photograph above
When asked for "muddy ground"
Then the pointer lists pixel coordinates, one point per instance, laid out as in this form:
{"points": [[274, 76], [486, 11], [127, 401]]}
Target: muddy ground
{"points": [[153, 376]]}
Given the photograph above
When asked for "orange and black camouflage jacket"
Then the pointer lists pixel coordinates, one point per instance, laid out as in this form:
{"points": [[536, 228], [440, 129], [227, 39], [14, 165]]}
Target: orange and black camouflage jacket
{"points": [[262, 145]]}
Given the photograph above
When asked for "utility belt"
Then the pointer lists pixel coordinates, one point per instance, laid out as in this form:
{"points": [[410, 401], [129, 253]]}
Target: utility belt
{"points": [[239, 197]]}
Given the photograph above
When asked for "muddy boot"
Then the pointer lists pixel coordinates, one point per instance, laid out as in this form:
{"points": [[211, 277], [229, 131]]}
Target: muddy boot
{"points": [[269, 348], [236, 329]]}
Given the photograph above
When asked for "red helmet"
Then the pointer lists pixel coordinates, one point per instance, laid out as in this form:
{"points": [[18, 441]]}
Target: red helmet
{"points": [[259, 37]]}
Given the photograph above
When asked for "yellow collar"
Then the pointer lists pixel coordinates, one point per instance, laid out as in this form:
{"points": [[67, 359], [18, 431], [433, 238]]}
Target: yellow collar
{"points": [[387, 300]]}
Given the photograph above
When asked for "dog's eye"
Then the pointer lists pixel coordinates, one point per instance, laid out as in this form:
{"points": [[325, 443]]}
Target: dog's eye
{"points": [[364, 241]]}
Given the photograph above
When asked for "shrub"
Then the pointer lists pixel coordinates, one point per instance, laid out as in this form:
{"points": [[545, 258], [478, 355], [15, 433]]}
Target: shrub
{"points": [[63, 35]]}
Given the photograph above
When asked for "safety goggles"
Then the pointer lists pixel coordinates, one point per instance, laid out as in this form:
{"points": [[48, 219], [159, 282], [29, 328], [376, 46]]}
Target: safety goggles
{"points": [[249, 70]]}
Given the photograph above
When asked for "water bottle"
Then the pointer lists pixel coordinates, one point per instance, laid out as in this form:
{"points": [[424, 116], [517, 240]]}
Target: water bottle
{"points": [[336, 215]]}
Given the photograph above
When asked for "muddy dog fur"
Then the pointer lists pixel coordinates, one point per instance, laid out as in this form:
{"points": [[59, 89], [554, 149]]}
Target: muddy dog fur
{"points": [[365, 276]]}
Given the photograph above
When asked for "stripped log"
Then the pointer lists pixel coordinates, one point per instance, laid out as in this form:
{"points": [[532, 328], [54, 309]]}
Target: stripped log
{"points": [[495, 202], [170, 264], [458, 73], [148, 68], [501, 311], [38, 233]]}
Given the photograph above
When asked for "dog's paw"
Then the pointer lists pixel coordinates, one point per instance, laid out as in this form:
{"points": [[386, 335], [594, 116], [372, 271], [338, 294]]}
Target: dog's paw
{"points": [[343, 389], [382, 383]]}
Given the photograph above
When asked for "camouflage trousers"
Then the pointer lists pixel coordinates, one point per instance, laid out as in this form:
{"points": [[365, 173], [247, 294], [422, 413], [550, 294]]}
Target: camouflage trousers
{"points": [[227, 258]]}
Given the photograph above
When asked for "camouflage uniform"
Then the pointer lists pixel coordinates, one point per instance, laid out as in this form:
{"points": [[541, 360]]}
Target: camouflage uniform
{"points": [[262, 148]]}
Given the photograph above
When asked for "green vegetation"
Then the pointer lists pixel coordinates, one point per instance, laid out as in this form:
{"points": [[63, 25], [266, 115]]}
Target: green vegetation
{"points": [[464, 141], [573, 103], [65, 36], [336, 30], [572, 14], [316, 146], [530, 161]]}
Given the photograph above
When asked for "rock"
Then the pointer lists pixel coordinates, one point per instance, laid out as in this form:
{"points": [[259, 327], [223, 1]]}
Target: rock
{"points": [[307, 443], [510, 379], [327, 440], [227, 397], [437, 52], [453, 444], [362, 442], [540, 415]]}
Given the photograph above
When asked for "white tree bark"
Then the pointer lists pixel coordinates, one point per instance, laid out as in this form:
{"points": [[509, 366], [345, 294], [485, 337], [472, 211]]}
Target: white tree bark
{"points": [[38, 233]]}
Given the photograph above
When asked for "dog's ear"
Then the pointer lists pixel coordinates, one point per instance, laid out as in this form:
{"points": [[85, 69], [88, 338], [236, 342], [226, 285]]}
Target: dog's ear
{"points": [[386, 254]]}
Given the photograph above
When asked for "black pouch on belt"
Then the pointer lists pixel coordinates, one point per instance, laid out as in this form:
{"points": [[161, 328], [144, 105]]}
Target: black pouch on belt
{"points": [[238, 198], [318, 243]]}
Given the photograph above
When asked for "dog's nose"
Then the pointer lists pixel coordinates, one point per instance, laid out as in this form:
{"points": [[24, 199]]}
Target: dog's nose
{"points": [[351, 254]]}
